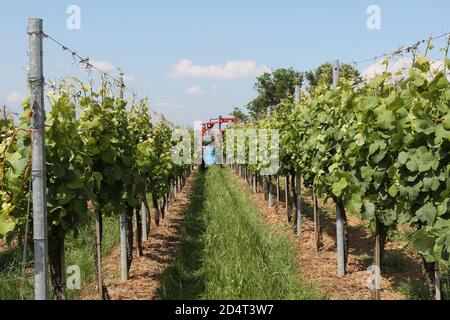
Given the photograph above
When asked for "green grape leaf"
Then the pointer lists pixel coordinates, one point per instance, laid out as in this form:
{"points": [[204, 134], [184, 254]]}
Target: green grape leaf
{"points": [[393, 191], [7, 224], [427, 213], [339, 186]]}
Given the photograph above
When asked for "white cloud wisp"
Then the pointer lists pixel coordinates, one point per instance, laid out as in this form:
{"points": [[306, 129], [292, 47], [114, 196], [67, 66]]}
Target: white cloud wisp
{"points": [[238, 69]]}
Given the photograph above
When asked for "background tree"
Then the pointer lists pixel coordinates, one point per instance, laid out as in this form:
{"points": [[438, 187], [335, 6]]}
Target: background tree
{"points": [[241, 115], [272, 88], [323, 74]]}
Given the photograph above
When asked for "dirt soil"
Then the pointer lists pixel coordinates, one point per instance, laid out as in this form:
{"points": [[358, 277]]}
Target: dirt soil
{"points": [[320, 268], [159, 252], [3, 246]]}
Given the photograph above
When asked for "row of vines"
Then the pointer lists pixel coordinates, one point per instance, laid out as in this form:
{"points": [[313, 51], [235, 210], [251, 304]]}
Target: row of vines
{"points": [[380, 149], [104, 157]]}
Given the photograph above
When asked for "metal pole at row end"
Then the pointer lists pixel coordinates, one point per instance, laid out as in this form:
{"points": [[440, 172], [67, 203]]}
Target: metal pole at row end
{"points": [[339, 216], [437, 281], [335, 65], [340, 242], [38, 175], [5, 117], [123, 247], [144, 222], [298, 178], [297, 94], [122, 218]]}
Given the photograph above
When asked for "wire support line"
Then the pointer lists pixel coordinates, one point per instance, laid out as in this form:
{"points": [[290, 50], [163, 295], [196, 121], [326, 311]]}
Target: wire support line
{"points": [[88, 65], [402, 49]]}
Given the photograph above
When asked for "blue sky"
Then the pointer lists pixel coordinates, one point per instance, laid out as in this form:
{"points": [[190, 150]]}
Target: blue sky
{"points": [[198, 59]]}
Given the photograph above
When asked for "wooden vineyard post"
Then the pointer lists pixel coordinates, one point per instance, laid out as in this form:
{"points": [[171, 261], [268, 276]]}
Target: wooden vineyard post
{"points": [[377, 271], [278, 190], [144, 222], [63, 269], [38, 174], [269, 181], [254, 183], [98, 248], [138, 226], [298, 188], [339, 215], [168, 203], [317, 231], [437, 281], [286, 196], [264, 187], [175, 193]]}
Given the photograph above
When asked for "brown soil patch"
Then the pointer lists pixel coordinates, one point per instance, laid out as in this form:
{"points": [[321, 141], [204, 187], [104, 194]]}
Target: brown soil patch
{"points": [[159, 252], [320, 268], [3, 246]]}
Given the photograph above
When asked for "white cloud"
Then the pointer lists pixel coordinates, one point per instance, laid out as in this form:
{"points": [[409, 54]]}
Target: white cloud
{"points": [[230, 70], [394, 66], [60, 65], [402, 63], [194, 91], [169, 105], [15, 97], [104, 66], [129, 78]]}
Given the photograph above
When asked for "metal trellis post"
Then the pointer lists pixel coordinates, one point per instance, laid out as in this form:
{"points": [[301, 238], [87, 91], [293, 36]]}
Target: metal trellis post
{"points": [[122, 220], [36, 81], [339, 216]]}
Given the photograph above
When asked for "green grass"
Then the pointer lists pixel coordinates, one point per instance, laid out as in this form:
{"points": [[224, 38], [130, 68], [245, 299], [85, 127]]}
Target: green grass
{"points": [[415, 291], [394, 262], [10, 263], [445, 278], [78, 251], [227, 252]]}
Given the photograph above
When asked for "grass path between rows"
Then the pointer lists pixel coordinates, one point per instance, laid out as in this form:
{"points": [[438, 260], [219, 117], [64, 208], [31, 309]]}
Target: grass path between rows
{"points": [[78, 252], [227, 252]]}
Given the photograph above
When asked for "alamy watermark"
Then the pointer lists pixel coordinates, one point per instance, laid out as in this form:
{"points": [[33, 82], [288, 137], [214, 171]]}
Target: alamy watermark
{"points": [[73, 22], [374, 20], [374, 280], [73, 281]]}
